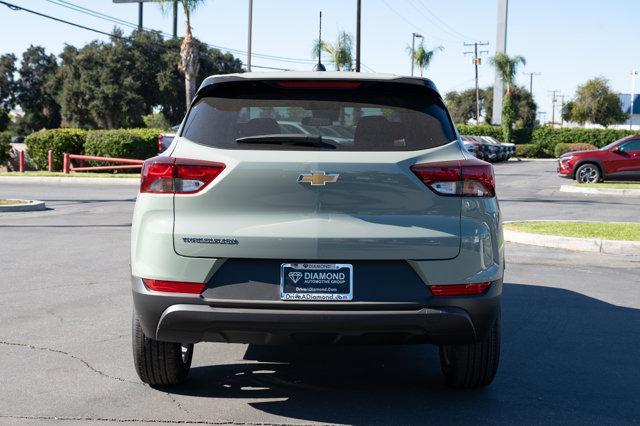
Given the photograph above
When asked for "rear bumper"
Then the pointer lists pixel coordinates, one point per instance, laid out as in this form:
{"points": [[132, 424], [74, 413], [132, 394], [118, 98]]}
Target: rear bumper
{"points": [[191, 319]]}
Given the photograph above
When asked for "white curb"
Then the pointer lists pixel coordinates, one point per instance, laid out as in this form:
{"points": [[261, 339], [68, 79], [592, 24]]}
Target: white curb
{"points": [[525, 159], [595, 245], [70, 180], [602, 191], [24, 206]]}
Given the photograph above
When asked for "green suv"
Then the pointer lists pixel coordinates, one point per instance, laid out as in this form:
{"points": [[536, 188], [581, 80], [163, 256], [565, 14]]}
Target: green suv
{"points": [[245, 233]]}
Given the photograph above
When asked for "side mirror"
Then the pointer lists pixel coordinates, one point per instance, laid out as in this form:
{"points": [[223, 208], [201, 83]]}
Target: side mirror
{"points": [[616, 149]]}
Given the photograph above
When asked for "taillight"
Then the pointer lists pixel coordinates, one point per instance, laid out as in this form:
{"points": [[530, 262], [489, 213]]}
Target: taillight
{"points": [[168, 175], [459, 178], [173, 286], [459, 289], [160, 147]]}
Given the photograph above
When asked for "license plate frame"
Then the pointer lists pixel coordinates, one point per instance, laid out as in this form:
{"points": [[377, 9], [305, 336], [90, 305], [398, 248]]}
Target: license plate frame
{"points": [[320, 288]]}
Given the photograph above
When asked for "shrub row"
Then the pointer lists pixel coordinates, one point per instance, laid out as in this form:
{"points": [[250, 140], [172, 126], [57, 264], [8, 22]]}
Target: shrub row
{"points": [[123, 143], [547, 138], [563, 148]]}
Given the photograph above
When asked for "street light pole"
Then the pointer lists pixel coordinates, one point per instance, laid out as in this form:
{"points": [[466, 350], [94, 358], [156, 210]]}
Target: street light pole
{"points": [[358, 10], [413, 49], [249, 36]]}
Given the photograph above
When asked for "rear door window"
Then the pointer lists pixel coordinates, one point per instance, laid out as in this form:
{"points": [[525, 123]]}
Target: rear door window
{"points": [[376, 117]]}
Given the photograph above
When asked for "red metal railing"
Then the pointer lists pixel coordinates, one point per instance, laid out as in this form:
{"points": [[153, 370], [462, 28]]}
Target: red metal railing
{"points": [[68, 167]]}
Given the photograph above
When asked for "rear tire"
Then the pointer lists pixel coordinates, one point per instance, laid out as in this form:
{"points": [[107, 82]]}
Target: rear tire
{"points": [[472, 366], [588, 173], [159, 363]]}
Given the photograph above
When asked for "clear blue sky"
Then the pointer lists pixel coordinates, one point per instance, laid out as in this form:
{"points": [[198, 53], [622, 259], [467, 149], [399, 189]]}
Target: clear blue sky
{"points": [[568, 41]]}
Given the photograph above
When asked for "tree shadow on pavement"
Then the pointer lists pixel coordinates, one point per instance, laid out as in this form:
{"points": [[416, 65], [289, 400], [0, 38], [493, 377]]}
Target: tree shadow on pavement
{"points": [[565, 358]]}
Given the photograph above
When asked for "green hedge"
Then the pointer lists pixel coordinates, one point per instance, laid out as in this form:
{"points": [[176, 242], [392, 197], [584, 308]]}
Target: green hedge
{"points": [[563, 148], [480, 130], [5, 146], [60, 141], [122, 143], [546, 138]]}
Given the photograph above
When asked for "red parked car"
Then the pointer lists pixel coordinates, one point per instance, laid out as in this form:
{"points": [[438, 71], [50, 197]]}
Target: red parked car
{"points": [[620, 160]]}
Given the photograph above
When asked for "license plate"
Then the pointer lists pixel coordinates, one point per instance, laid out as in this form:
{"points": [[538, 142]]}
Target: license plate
{"points": [[316, 281]]}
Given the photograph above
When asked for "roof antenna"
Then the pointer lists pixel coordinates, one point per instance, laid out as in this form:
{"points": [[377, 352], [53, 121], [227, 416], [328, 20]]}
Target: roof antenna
{"points": [[319, 66]]}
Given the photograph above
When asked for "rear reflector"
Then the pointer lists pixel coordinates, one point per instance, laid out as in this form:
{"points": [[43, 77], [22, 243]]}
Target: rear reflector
{"points": [[168, 175], [318, 84], [459, 289], [459, 178], [173, 286]]}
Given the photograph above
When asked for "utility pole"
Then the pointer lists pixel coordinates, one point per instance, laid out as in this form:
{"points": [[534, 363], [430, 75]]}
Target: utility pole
{"points": [[413, 48], [358, 19], [554, 94], [249, 36], [175, 18], [633, 95], [531, 74], [501, 47], [476, 62]]}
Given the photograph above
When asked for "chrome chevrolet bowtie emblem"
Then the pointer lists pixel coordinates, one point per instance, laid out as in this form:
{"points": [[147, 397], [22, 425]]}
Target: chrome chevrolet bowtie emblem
{"points": [[318, 178]]}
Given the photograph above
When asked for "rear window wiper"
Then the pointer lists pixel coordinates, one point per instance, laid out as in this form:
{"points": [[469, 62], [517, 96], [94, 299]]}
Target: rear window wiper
{"points": [[288, 139]]}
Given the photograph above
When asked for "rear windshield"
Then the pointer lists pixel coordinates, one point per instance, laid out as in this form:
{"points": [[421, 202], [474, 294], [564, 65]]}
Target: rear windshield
{"points": [[377, 117]]}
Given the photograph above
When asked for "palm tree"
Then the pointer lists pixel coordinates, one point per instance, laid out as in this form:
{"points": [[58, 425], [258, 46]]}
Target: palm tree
{"points": [[189, 57], [422, 57], [340, 51], [507, 69]]}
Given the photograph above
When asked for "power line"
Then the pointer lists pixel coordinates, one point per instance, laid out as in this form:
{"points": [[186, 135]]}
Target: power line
{"points": [[366, 67], [412, 24], [119, 37], [94, 13], [444, 22], [434, 22], [20, 8], [132, 25]]}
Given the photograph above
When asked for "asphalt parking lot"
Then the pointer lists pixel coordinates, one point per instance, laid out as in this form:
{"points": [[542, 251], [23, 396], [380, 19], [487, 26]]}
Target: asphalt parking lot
{"points": [[570, 338]]}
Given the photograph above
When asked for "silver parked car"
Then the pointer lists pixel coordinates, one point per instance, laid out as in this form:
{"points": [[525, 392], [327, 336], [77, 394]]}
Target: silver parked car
{"points": [[244, 232]]}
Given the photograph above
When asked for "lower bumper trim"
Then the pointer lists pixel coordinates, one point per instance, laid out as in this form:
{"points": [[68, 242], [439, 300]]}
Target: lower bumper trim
{"points": [[187, 323]]}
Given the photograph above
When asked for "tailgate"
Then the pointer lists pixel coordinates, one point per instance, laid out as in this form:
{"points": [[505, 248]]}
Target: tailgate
{"points": [[375, 209]]}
